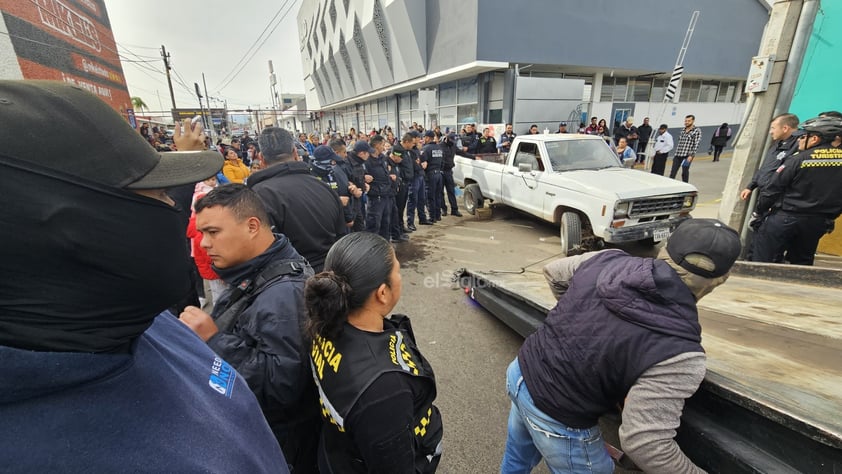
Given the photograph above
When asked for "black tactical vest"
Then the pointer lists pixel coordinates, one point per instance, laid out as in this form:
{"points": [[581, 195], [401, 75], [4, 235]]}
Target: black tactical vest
{"points": [[345, 367]]}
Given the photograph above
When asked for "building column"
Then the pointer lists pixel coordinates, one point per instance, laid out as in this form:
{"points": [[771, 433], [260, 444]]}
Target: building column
{"points": [[596, 91], [509, 81]]}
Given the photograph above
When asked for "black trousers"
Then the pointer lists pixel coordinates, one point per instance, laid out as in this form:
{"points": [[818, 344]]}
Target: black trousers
{"points": [[659, 163], [435, 194], [400, 201], [378, 215], [796, 235], [717, 151], [685, 170], [450, 189]]}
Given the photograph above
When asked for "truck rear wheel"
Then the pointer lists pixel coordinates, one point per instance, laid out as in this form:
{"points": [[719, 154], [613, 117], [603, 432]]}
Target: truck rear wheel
{"points": [[473, 198], [571, 234]]}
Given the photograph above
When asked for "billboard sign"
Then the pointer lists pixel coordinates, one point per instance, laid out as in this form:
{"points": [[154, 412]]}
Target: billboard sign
{"points": [[63, 40]]}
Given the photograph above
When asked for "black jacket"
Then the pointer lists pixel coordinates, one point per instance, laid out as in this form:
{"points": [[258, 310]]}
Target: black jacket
{"points": [[265, 342], [644, 132], [807, 183], [406, 167], [301, 207], [377, 167], [433, 155], [776, 155], [450, 151], [487, 145]]}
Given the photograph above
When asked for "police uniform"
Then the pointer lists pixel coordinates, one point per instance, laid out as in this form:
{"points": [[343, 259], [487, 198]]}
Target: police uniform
{"points": [[804, 199], [353, 372], [417, 198], [381, 196], [487, 145], [451, 149], [432, 154], [357, 177]]}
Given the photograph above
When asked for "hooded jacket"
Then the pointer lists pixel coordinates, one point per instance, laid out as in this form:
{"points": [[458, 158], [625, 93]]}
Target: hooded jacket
{"points": [[620, 316], [165, 406], [302, 208]]}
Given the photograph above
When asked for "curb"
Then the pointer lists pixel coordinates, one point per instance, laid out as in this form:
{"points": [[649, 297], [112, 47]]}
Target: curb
{"points": [[800, 274]]}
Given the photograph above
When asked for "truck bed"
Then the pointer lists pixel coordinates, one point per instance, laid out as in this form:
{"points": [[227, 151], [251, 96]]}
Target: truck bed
{"points": [[772, 398]]}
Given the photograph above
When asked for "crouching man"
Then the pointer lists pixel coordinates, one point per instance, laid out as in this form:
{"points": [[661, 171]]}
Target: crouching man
{"points": [[625, 330], [257, 323]]}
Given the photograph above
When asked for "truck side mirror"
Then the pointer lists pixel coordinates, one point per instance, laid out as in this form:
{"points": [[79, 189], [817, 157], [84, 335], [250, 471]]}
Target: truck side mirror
{"points": [[524, 167]]}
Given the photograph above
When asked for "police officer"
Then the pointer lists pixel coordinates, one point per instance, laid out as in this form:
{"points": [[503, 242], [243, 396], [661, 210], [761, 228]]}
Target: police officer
{"points": [[378, 142], [802, 197], [785, 142], [450, 149], [355, 181], [506, 139], [328, 167], [470, 140], [381, 195], [431, 160], [487, 143], [357, 178], [405, 159], [417, 199], [375, 386]]}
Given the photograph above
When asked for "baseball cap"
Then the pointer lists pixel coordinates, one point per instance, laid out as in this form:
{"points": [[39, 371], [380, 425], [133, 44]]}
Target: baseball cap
{"points": [[562, 124], [415, 133], [451, 136], [325, 154], [80, 135], [709, 238], [663, 127], [363, 146], [430, 134]]}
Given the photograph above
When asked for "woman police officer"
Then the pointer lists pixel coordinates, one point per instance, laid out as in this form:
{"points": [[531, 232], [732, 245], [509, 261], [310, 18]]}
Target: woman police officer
{"points": [[376, 390]]}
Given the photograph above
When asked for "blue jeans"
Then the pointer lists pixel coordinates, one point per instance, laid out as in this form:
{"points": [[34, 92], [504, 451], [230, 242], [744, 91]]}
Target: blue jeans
{"points": [[417, 199], [533, 434]]}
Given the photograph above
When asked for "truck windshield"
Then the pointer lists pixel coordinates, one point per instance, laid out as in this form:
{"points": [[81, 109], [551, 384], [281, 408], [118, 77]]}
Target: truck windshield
{"points": [[568, 155]]}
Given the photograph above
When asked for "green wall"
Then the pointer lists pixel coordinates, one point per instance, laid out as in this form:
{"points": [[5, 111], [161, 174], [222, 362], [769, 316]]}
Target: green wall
{"points": [[818, 89]]}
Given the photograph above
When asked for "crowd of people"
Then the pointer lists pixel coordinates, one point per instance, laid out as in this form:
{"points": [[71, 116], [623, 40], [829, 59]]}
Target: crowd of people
{"points": [[300, 365]]}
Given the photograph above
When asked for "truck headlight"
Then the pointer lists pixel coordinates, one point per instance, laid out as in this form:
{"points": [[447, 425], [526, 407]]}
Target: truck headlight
{"points": [[689, 201], [621, 210]]}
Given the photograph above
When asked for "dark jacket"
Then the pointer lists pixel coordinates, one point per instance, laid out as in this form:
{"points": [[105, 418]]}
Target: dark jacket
{"points": [[302, 208], [433, 155], [450, 151], [406, 167], [720, 136], [265, 342], [169, 405], [644, 132], [772, 161], [807, 184], [620, 316], [470, 141], [377, 167], [487, 145]]}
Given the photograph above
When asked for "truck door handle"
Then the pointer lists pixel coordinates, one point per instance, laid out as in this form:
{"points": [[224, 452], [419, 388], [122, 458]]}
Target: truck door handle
{"points": [[550, 194], [511, 172]]}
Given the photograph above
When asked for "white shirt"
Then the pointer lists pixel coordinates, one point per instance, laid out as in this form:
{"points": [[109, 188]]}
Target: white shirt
{"points": [[663, 143]]}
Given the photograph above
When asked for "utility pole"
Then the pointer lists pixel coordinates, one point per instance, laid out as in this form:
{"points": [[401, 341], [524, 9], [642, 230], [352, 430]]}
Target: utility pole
{"points": [[789, 20], [207, 102], [166, 57], [201, 107]]}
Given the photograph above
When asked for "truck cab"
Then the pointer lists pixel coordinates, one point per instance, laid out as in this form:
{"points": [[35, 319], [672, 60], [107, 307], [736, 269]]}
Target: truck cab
{"points": [[579, 183]]}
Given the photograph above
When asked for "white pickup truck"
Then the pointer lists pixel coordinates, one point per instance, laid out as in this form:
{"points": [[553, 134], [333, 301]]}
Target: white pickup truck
{"points": [[578, 183]]}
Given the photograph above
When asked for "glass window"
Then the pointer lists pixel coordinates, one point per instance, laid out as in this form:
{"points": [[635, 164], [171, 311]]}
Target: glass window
{"points": [[381, 106], [447, 117], [466, 114], [639, 90], [413, 100], [405, 122], [620, 86], [566, 155], [726, 92], [495, 116], [659, 90], [404, 102], [447, 93], [708, 91], [690, 91], [607, 90], [467, 90]]}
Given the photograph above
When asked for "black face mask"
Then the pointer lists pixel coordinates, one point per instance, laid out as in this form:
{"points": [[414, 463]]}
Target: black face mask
{"points": [[83, 267]]}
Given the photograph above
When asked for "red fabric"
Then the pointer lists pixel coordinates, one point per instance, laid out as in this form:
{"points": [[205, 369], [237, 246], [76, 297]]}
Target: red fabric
{"points": [[203, 262]]}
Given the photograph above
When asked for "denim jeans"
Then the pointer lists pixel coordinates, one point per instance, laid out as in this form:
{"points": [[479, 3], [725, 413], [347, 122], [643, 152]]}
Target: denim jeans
{"points": [[533, 434]]}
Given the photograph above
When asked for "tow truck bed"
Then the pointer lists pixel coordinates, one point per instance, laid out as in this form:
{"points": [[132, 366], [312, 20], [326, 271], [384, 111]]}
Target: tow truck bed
{"points": [[772, 397]]}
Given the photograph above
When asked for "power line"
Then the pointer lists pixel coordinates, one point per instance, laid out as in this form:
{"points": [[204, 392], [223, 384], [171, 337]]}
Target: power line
{"points": [[238, 67]]}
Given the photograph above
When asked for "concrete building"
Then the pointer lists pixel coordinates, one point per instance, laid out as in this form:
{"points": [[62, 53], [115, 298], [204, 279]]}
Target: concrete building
{"points": [[369, 63]]}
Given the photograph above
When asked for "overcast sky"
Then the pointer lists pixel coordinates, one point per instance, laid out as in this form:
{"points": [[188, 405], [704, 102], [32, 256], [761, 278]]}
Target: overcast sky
{"points": [[210, 37]]}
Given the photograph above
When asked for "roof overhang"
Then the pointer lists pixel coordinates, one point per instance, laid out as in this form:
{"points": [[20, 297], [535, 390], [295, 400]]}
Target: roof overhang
{"points": [[465, 70]]}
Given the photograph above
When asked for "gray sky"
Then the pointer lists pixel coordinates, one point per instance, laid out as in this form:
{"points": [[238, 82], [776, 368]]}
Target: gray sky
{"points": [[210, 37]]}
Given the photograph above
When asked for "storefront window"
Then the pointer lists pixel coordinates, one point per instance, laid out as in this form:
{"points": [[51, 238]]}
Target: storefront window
{"points": [[467, 90], [447, 93], [466, 114]]}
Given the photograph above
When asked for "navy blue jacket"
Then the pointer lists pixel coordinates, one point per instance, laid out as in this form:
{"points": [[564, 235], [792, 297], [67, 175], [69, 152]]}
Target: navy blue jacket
{"points": [[620, 316], [170, 405], [377, 167]]}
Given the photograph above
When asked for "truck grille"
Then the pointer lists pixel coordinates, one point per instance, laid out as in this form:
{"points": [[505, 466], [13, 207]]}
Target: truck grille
{"points": [[656, 206]]}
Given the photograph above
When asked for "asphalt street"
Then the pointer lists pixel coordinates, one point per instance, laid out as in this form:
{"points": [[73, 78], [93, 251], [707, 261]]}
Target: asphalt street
{"points": [[469, 348]]}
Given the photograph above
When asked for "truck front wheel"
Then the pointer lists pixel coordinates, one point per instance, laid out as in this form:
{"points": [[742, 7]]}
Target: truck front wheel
{"points": [[571, 234], [473, 198]]}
